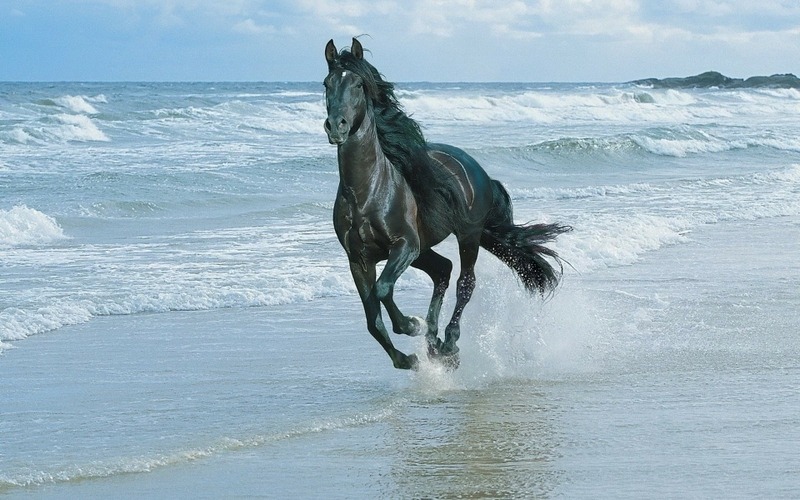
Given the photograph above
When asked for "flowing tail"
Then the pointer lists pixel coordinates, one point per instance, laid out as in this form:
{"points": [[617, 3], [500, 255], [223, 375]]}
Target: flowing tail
{"points": [[521, 246]]}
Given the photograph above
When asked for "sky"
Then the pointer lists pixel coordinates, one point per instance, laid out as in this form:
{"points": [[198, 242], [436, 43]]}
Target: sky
{"points": [[412, 40]]}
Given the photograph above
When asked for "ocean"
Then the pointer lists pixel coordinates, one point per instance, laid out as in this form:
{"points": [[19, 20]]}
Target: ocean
{"points": [[177, 319]]}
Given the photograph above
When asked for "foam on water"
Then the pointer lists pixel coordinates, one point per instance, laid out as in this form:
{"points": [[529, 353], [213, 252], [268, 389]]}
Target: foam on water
{"points": [[27, 226], [619, 240], [138, 464], [678, 141], [507, 334], [192, 197], [257, 115], [78, 128], [226, 267], [78, 104], [612, 106], [208, 131], [243, 267], [56, 129]]}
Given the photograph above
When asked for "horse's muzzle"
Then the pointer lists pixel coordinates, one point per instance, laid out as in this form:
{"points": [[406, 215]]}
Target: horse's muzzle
{"points": [[338, 134]]}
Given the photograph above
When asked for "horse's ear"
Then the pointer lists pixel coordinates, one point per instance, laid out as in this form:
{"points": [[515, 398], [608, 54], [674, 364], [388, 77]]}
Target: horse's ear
{"points": [[330, 53], [357, 49]]}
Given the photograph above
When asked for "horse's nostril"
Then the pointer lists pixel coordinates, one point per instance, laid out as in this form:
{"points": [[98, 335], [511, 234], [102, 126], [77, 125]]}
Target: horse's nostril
{"points": [[327, 125]]}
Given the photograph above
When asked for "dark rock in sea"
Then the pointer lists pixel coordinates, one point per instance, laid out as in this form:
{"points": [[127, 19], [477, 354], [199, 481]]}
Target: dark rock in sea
{"points": [[786, 81], [711, 79]]}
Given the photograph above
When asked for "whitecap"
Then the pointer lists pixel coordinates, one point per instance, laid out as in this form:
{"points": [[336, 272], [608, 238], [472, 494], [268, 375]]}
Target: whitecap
{"points": [[17, 135], [682, 147], [26, 226], [101, 98], [79, 128], [618, 240], [76, 104]]}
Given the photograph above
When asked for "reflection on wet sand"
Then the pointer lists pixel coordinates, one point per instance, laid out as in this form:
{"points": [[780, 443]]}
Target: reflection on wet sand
{"points": [[498, 441]]}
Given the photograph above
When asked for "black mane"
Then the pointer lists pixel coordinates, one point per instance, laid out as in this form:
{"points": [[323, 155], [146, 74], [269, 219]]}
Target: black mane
{"points": [[403, 143], [400, 136]]}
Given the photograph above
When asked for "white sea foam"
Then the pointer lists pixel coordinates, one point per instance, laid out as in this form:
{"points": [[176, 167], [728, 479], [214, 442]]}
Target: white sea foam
{"points": [[616, 240], [296, 118], [78, 128], [681, 147], [780, 143], [296, 93], [618, 237], [582, 192], [553, 107], [78, 104], [57, 128], [705, 192], [26, 226], [230, 270], [99, 469], [235, 268], [16, 135], [209, 292], [100, 98], [609, 107]]}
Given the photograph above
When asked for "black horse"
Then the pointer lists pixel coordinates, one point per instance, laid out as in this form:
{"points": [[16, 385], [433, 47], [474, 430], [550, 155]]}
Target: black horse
{"points": [[399, 196]]}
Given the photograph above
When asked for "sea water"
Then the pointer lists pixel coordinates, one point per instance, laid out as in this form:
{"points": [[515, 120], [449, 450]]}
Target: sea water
{"points": [[177, 317]]}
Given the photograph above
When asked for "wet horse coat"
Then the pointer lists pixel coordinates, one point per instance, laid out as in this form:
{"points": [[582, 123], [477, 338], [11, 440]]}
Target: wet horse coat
{"points": [[399, 196]]}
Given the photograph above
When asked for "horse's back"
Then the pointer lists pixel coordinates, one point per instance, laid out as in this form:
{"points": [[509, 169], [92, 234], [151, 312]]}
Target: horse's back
{"points": [[469, 182], [472, 179]]}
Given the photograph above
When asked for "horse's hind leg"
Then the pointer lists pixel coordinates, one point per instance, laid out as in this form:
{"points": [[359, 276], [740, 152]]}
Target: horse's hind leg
{"points": [[468, 253], [439, 269]]}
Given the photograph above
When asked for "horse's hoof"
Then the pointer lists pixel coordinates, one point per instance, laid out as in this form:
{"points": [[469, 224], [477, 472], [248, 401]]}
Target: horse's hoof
{"points": [[434, 348], [449, 359], [413, 327], [418, 326], [407, 363], [449, 362]]}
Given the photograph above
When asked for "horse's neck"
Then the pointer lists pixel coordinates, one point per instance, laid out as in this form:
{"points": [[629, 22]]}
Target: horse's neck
{"points": [[362, 164]]}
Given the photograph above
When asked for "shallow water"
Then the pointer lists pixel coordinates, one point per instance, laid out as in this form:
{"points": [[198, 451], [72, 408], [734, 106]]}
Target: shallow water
{"points": [[177, 318]]}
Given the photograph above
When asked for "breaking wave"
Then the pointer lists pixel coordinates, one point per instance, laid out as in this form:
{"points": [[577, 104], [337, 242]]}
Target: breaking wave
{"points": [[26, 226]]}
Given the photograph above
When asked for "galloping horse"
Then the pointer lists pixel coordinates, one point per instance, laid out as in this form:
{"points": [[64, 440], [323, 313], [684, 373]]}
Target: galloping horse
{"points": [[399, 196]]}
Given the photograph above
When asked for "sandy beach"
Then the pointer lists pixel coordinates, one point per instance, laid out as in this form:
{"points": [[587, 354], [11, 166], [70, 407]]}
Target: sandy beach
{"points": [[297, 402]]}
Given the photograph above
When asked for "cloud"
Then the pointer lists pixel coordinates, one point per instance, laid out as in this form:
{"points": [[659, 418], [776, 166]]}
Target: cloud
{"points": [[571, 37], [520, 20], [446, 18], [349, 16], [514, 39], [526, 20], [250, 27], [241, 15]]}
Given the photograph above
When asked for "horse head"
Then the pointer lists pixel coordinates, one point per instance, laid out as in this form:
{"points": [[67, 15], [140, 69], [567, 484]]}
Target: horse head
{"points": [[345, 97]]}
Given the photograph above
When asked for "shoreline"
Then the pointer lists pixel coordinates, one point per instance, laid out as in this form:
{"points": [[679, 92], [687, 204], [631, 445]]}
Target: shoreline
{"points": [[245, 402]]}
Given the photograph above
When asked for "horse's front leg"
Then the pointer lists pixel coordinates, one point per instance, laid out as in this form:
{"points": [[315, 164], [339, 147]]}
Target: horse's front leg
{"points": [[401, 256], [364, 278]]}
